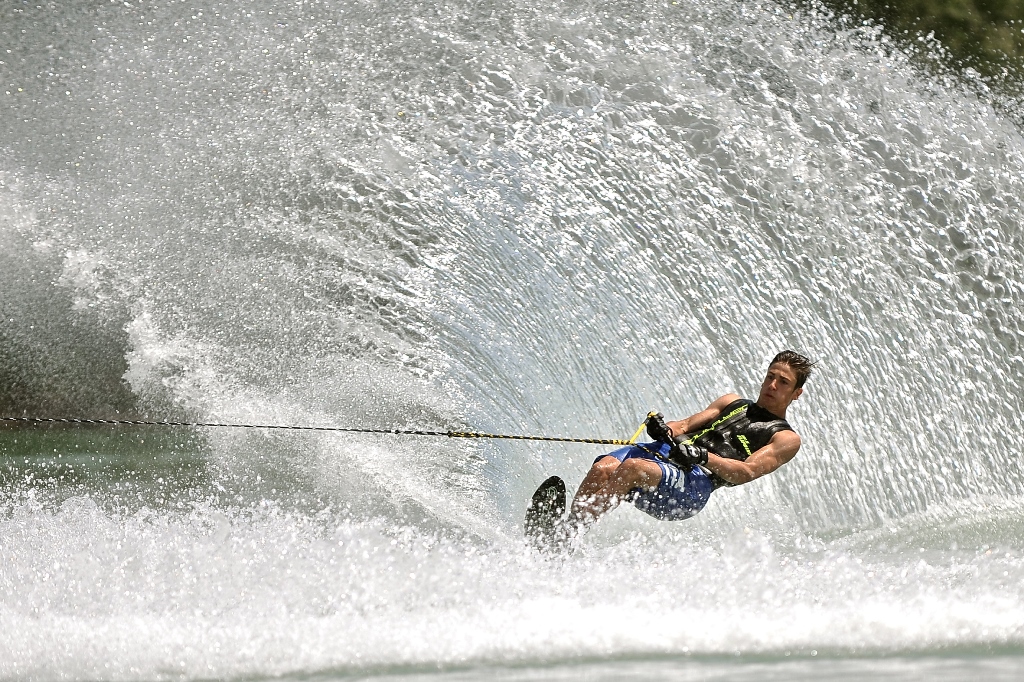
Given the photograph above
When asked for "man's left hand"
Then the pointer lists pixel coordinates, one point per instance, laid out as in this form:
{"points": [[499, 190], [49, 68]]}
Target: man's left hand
{"points": [[687, 455]]}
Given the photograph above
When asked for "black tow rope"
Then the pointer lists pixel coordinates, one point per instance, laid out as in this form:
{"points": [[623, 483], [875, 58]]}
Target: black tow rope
{"points": [[398, 432]]}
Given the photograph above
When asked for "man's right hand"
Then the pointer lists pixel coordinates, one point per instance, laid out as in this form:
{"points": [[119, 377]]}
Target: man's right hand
{"points": [[683, 454], [657, 429]]}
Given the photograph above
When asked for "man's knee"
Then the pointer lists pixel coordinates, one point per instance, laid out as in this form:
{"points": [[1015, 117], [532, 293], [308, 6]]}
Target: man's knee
{"points": [[603, 468]]}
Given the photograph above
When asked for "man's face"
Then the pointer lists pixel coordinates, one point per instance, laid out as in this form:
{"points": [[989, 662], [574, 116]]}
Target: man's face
{"points": [[779, 387]]}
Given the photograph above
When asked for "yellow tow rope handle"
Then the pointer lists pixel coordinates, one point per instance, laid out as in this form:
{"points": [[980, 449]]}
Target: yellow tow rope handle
{"points": [[643, 425]]}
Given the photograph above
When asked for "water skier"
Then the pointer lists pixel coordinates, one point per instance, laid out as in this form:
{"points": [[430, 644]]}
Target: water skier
{"points": [[731, 442]]}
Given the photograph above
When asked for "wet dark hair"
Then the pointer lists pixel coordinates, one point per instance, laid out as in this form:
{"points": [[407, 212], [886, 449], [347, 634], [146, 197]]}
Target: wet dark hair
{"points": [[799, 364]]}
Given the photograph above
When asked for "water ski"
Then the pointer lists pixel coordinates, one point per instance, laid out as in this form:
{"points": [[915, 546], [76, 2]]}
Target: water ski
{"points": [[544, 515]]}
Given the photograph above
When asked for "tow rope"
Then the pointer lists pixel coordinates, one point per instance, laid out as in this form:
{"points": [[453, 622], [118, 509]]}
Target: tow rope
{"points": [[397, 432]]}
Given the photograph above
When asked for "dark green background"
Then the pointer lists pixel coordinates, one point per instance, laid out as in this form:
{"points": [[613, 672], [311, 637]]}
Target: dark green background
{"points": [[984, 35]]}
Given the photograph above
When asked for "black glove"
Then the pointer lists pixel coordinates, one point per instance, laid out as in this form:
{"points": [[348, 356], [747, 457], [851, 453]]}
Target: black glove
{"points": [[686, 455], [657, 429], [682, 454]]}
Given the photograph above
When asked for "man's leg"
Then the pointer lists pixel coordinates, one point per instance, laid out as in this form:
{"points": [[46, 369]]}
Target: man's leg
{"points": [[606, 485], [596, 478]]}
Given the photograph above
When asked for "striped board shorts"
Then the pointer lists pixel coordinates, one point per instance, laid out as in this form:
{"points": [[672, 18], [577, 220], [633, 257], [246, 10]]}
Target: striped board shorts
{"points": [[679, 495]]}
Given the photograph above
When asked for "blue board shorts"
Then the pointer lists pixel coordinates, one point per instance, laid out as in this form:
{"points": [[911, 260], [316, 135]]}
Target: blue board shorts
{"points": [[680, 494]]}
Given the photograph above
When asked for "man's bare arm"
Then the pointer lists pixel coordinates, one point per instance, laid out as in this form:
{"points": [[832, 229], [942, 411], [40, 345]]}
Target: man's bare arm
{"points": [[780, 449], [702, 418]]}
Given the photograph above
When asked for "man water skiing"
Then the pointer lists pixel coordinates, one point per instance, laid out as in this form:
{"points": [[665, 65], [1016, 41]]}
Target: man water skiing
{"points": [[731, 442]]}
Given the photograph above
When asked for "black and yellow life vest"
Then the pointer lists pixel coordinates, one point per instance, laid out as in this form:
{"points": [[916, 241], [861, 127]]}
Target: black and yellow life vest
{"points": [[739, 431]]}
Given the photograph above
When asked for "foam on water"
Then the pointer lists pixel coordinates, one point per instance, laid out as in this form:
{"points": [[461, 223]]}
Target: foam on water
{"points": [[212, 591], [506, 218]]}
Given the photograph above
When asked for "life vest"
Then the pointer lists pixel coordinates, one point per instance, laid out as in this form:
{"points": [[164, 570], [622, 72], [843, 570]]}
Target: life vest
{"points": [[741, 429]]}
